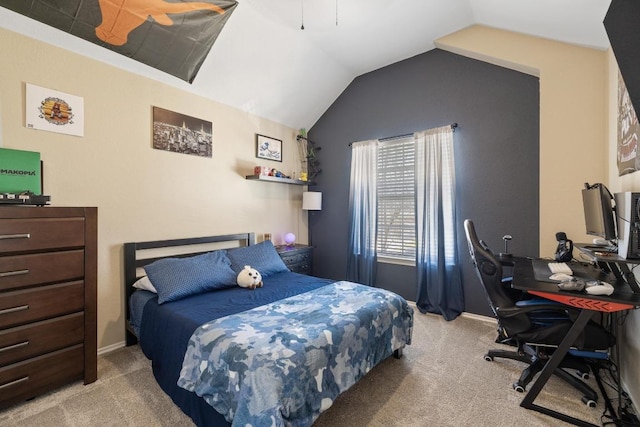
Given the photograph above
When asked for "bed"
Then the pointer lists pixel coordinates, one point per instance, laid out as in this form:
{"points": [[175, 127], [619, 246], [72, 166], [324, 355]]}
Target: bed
{"points": [[276, 355]]}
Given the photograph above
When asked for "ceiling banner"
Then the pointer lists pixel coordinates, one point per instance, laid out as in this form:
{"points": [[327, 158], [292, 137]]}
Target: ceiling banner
{"points": [[621, 23], [172, 36]]}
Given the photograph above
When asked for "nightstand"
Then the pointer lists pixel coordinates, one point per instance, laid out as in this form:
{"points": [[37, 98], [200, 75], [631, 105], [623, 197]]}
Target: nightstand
{"points": [[299, 258]]}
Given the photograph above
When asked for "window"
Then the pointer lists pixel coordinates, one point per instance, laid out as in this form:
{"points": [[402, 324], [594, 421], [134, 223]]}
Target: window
{"points": [[396, 237]]}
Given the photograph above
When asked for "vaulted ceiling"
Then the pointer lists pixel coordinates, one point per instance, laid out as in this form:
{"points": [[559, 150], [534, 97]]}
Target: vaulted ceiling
{"points": [[265, 64]]}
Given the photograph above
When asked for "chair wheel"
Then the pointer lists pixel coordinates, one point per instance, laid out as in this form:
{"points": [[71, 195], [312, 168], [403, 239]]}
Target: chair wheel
{"points": [[583, 375], [517, 387], [590, 403], [488, 358]]}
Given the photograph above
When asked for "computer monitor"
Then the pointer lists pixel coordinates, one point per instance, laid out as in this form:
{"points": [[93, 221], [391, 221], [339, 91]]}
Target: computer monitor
{"points": [[599, 217]]}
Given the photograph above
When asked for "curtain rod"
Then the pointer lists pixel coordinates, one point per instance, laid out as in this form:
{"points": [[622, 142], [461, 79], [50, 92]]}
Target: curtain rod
{"points": [[390, 138]]}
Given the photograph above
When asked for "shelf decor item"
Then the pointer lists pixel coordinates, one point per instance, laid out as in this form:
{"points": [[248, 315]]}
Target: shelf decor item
{"points": [[289, 239], [268, 148], [310, 165]]}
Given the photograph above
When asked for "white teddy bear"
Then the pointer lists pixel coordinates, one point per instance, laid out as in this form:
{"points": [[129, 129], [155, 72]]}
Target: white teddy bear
{"points": [[249, 278]]}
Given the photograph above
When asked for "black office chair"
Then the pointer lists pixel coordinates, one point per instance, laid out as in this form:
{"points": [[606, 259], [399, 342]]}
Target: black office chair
{"points": [[536, 326]]}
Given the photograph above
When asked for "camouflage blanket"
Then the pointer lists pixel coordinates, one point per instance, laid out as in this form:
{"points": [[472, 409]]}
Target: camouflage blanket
{"points": [[284, 363]]}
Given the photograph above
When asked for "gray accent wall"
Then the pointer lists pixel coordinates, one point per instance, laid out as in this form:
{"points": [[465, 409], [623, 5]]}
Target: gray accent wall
{"points": [[496, 151]]}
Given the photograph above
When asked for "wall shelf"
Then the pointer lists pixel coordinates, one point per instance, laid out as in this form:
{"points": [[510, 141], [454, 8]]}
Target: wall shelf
{"points": [[277, 179]]}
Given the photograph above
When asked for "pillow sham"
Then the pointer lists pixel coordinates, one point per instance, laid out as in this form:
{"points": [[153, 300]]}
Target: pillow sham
{"points": [[263, 257], [145, 284], [177, 278]]}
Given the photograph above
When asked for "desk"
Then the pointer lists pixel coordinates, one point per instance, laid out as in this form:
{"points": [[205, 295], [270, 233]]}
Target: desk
{"points": [[623, 298], [612, 262]]}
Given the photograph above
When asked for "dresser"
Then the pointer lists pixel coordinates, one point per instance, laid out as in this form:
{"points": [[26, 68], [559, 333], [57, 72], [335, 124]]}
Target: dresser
{"points": [[48, 299], [299, 258]]}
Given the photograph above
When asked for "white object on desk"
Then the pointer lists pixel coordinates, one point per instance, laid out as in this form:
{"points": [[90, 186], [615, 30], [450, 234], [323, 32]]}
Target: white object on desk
{"points": [[597, 287], [561, 277], [560, 267]]}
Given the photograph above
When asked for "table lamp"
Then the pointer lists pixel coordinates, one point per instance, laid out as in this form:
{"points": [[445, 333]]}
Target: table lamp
{"points": [[312, 201]]}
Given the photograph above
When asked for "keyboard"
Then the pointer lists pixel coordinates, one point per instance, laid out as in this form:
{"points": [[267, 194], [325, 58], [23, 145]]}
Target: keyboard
{"points": [[560, 267]]}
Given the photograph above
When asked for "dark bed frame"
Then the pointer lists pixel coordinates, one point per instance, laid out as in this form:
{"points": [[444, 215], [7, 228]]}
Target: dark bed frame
{"points": [[132, 262]]}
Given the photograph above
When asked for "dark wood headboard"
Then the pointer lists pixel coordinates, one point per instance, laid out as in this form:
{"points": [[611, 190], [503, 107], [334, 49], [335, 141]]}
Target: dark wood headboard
{"points": [[133, 259]]}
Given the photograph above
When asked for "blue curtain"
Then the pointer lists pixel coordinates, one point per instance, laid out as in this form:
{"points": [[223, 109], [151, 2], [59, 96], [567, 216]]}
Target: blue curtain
{"points": [[439, 283], [362, 261]]}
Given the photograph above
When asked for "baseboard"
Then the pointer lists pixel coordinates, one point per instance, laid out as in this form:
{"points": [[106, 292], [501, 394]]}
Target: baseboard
{"points": [[110, 348], [480, 317], [487, 319], [631, 396]]}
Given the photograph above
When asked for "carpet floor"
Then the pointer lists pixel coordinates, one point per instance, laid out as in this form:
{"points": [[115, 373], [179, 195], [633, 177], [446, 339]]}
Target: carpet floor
{"points": [[442, 380]]}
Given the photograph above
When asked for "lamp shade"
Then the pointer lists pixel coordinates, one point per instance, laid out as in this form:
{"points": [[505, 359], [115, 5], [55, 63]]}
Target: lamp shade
{"points": [[312, 201]]}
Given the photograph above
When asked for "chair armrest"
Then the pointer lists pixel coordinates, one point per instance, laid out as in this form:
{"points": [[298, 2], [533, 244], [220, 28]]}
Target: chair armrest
{"points": [[537, 302], [506, 262], [517, 310]]}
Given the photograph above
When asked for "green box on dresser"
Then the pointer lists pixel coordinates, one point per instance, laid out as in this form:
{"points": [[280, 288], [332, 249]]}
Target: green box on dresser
{"points": [[299, 258]]}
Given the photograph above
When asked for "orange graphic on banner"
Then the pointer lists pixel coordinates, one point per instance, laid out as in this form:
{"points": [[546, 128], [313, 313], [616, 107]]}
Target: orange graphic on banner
{"points": [[120, 17]]}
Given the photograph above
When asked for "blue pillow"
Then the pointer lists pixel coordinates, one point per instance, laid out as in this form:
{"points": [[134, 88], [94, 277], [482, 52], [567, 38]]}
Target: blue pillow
{"points": [[176, 278], [263, 257]]}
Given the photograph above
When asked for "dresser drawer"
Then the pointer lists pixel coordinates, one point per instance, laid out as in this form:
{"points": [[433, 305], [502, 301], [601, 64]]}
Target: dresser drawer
{"points": [[297, 257], [302, 268], [32, 377], [38, 338], [28, 305], [30, 234], [50, 267]]}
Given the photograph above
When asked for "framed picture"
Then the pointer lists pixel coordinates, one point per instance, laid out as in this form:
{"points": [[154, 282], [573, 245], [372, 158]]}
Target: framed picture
{"points": [[181, 133], [53, 111], [268, 148]]}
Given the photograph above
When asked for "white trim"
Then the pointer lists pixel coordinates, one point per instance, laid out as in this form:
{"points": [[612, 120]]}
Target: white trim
{"points": [[480, 317], [110, 348], [473, 316]]}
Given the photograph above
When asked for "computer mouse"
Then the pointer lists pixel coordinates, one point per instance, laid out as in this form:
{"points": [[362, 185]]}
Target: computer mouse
{"points": [[597, 287], [560, 277]]}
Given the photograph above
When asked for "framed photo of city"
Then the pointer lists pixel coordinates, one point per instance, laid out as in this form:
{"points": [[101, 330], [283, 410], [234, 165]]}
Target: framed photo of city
{"points": [[180, 133], [268, 148]]}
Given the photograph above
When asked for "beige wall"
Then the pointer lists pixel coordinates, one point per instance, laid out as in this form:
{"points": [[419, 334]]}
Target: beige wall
{"points": [[629, 336], [572, 118], [578, 134], [142, 193]]}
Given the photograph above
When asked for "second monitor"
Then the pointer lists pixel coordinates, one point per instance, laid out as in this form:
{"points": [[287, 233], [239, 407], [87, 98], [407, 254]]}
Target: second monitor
{"points": [[628, 222]]}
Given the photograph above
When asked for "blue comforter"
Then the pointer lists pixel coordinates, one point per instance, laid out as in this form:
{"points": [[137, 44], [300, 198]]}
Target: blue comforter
{"points": [[284, 363]]}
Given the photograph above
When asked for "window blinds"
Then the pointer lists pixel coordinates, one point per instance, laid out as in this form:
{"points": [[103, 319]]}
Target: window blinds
{"points": [[396, 199]]}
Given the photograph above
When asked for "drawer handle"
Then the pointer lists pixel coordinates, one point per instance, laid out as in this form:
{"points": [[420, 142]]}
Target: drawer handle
{"points": [[14, 309], [13, 273], [9, 384], [11, 347], [15, 236]]}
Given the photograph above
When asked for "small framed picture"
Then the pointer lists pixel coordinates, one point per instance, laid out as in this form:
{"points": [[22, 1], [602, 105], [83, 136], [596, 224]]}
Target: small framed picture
{"points": [[268, 148]]}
